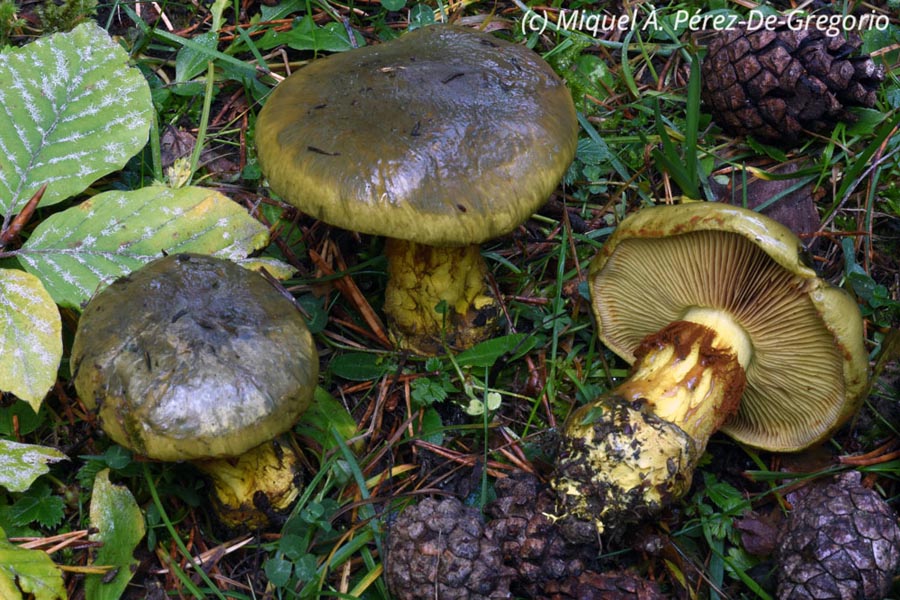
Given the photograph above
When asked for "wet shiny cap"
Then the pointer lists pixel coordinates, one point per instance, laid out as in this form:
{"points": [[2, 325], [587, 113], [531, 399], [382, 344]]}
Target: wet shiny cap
{"points": [[193, 357], [444, 136]]}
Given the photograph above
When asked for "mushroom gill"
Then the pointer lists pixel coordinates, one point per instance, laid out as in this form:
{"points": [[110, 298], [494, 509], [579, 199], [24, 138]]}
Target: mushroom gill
{"points": [[727, 330]]}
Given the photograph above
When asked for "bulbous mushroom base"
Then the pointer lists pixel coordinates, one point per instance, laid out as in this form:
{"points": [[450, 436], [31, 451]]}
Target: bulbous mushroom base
{"points": [[421, 278], [256, 489], [628, 454], [620, 463]]}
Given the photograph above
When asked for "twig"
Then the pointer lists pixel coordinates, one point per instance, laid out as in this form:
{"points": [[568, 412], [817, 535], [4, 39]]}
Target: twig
{"points": [[879, 455], [21, 219]]}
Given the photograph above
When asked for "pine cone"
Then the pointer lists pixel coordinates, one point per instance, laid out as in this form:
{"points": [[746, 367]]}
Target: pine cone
{"points": [[841, 541], [774, 83], [437, 549], [530, 539]]}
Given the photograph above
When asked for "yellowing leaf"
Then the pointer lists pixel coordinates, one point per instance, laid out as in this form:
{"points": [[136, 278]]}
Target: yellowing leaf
{"points": [[30, 337], [21, 464], [24, 571], [120, 526], [77, 251], [278, 269]]}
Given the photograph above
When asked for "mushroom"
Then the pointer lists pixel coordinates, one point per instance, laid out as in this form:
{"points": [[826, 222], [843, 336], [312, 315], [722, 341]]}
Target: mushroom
{"points": [[727, 330], [439, 140], [194, 358]]}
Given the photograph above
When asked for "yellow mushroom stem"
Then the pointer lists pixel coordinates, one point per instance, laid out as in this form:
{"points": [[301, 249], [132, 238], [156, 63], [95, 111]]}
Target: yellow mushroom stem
{"points": [[421, 278], [632, 451], [691, 373], [257, 488]]}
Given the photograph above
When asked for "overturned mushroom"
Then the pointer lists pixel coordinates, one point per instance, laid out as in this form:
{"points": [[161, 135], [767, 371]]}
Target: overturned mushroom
{"points": [[727, 330], [439, 140], [195, 358]]}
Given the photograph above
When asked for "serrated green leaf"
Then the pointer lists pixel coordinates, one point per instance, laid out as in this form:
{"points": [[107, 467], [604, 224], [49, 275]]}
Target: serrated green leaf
{"points": [[24, 571], [425, 391], [38, 505], [79, 250], [71, 111], [591, 153], [21, 464], [30, 337], [120, 527]]}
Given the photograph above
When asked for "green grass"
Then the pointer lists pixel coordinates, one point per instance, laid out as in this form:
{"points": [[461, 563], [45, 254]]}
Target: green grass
{"points": [[644, 139]]}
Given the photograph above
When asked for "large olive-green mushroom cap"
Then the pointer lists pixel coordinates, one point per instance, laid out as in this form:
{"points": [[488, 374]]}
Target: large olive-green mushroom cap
{"points": [[808, 365], [193, 357], [443, 136]]}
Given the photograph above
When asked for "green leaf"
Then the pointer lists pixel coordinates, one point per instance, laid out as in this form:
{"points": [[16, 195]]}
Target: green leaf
{"points": [[30, 337], [190, 62], [594, 413], [120, 527], [867, 119], [21, 464], [359, 366], [432, 427], [293, 545], [24, 571], [38, 505], [728, 498], [393, 5], [305, 567], [81, 249], [306, 35], [281, 10], [278, 571], [427, 391], [71, 111], [486, 353], [682, 169], [590, 152], [323, 414], [420, 15], [21, 418], [315, 313]]}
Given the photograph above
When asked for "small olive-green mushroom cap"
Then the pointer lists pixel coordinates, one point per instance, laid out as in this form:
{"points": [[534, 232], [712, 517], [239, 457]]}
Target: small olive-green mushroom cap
{"points": [[443, 136], [808, 367], [193, 357]]}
